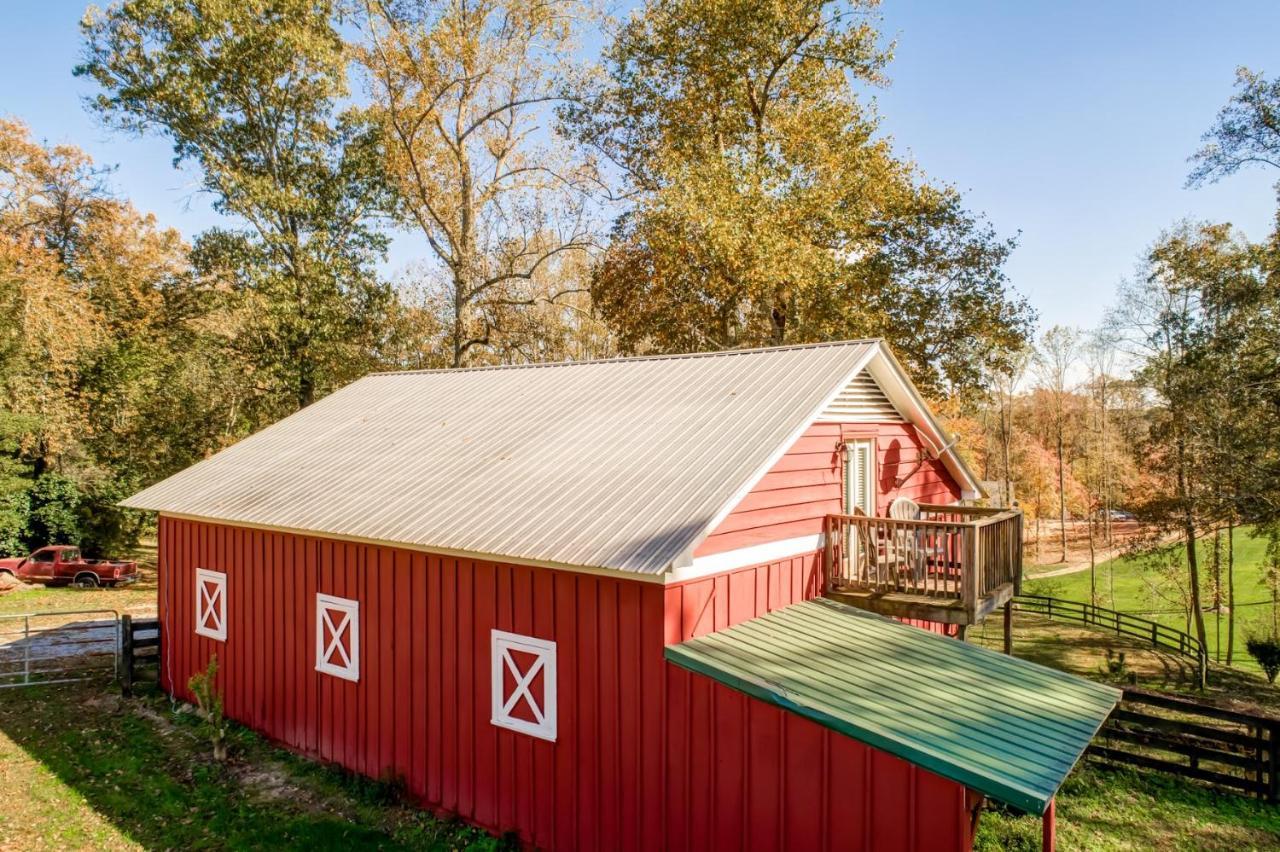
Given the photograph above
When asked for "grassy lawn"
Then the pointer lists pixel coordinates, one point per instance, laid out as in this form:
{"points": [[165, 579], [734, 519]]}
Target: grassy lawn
{"points": [[1105, 809], [1134, 585], [1083, 651], [81, 768]]}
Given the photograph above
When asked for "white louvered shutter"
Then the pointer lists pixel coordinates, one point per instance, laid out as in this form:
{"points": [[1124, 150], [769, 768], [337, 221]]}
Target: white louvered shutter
{"points": [[860, 477]]}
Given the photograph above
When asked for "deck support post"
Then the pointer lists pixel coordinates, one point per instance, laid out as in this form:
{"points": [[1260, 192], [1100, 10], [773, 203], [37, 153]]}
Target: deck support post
{"points": [[828, 553], [1008, 627], [1049, 827]]}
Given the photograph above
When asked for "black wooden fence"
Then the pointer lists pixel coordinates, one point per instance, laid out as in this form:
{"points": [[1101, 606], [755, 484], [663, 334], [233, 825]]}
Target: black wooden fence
{"points": [[1122, 624], [139, 647], [1227, 748]]}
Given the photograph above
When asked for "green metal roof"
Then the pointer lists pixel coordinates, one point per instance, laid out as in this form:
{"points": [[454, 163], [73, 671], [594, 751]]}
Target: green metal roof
{"points": [[1006, 728]]}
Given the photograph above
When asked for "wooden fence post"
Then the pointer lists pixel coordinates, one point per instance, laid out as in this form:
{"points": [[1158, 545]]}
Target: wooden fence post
{"points": [[1008, 627], [126, 655], [1273, 764]]}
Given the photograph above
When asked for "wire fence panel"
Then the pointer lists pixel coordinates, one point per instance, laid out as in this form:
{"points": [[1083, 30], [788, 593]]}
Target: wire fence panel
{"points": [[58, 647]]}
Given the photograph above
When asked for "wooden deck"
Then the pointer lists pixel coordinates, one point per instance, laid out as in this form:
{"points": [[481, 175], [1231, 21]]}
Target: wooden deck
{"points": [[955, 565], [924, 607]]}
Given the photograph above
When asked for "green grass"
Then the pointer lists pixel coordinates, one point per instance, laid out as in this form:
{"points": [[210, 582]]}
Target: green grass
{"points": [[82, 768], [1134, 585], [1104, 809]]}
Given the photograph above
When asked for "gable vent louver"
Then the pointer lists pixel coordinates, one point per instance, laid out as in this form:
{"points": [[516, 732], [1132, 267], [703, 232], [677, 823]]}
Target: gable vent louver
{"points": [[861, 401]]}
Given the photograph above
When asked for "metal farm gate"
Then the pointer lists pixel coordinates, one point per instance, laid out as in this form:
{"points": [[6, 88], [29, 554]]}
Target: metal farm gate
{"points": [[59, 647]]}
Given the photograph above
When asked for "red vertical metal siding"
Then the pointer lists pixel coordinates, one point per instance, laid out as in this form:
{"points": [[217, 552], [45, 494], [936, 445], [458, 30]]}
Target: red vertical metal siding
{"points": [[646, 756], [421, 708], [697, 607], [748, 775], [805, 485]]}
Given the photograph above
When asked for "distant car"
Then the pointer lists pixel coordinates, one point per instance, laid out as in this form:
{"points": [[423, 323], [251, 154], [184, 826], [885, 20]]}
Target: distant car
{"points": [[1116, 514], [62, 565]]}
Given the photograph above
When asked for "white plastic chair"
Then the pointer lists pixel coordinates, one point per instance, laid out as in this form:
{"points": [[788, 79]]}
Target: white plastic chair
{"points": [[909, 547]]}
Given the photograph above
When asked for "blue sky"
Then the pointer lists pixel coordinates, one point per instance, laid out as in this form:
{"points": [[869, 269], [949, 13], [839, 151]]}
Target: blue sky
{"points": [[1069, 122]]}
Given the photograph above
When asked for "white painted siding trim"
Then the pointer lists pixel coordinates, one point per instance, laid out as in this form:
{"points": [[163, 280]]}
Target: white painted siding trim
{"points": [[211, 604], [770, 551], [544, 660]]}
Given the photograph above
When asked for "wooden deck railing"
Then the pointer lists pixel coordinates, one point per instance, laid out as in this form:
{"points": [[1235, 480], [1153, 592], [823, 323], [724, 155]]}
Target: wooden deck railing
{"points": [[956, 552]]}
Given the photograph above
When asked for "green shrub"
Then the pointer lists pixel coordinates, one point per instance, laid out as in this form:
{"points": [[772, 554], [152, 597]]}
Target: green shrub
{"points": [[106, 529], [1266, 653], [15, 514], [209, 702], [55, 511], [1116, 668]]}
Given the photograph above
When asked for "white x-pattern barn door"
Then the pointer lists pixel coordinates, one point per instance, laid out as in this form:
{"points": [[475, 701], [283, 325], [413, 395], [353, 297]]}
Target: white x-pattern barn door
{"points": [[211, 604], [524, 684], [338, 636]]}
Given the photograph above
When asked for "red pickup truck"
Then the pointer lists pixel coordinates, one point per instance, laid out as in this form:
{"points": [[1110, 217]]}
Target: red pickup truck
{"points": [[62, 565]]}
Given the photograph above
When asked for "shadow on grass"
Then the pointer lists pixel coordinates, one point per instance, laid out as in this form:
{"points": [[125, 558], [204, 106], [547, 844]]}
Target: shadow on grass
{"points": [[1081, 650], [146, 769], [1104, 808]]}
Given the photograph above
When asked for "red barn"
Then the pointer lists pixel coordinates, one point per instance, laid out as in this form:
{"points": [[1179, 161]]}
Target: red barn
{"points": [[596, 603]]}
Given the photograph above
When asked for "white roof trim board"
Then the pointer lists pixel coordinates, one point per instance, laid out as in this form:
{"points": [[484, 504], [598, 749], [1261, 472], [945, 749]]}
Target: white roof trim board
{"points": [[622, 465]]}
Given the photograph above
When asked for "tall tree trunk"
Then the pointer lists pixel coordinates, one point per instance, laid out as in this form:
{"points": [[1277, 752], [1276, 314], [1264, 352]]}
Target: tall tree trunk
{"points": [[1217, 593], [459, 325], [1107, 535], [1231, 586], [1093, 565], [1062, 496], [1189, 540], [306, 381], [1006, 437]]}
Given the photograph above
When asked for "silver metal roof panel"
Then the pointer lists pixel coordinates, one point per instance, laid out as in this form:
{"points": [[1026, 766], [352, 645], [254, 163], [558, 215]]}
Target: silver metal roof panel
{"points": [[621, 464]]}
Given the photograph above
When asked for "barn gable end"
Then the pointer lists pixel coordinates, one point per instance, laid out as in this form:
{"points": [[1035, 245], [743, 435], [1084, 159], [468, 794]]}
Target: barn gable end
{"points": [[861, 401]]}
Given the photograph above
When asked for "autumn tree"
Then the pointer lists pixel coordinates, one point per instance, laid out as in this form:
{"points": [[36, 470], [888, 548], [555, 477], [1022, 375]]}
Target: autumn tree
{"points": [[1054, 358], [1202, 295], [48, 195], [110, 375], [250, 91], [462, 93], [767, 208], [1004, 380], [1245, 314]]}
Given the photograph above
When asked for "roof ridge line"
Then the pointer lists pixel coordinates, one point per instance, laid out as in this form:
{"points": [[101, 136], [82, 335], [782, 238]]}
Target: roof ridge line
{"points": [[674, 356]]}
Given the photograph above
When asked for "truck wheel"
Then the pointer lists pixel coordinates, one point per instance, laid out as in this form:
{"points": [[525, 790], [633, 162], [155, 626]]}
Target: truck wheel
{"points": [[87, 581], [5, 572]]}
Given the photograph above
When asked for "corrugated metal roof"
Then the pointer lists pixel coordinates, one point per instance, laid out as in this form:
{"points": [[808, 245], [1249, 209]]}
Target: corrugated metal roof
{"points": [[619, 464], [1007, 728]]}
